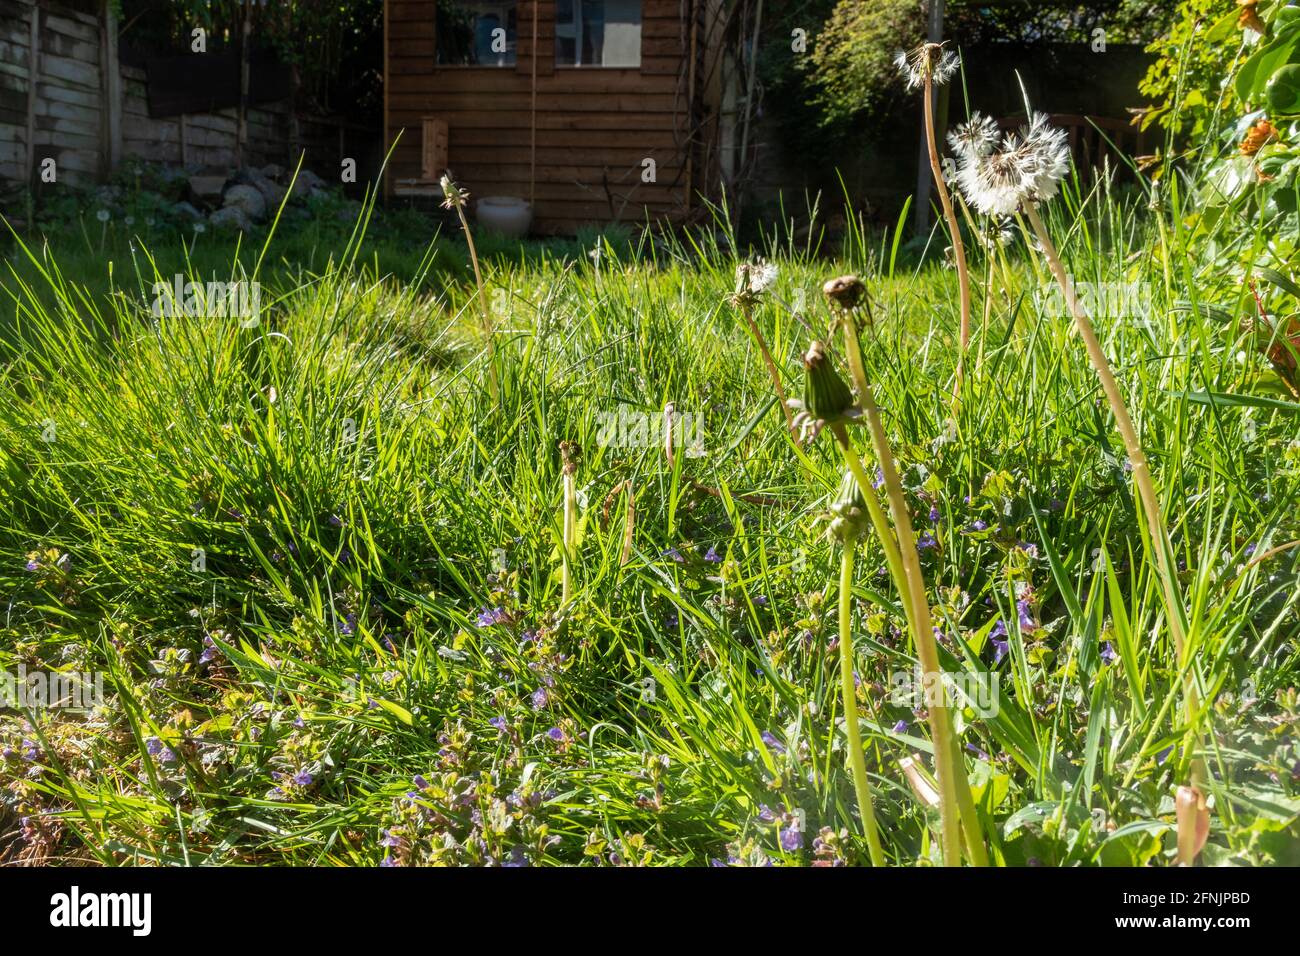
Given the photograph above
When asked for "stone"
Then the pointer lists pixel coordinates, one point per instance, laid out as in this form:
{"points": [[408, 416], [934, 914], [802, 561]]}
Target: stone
{"points": [[272, 171], [232, 218], [249, 199], [207, 189], [271, 191], [307, 184], [187, 211]]}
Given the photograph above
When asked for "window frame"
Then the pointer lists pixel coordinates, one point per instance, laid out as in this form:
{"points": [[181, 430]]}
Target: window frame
{"points": [[555, 46]]}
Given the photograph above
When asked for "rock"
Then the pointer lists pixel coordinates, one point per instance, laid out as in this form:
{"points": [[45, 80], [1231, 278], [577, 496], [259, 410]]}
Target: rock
{"points": [[231, 217], [206, 189], [249, 199], [272, 171], [271, 191], [307, 184], [187, 211]]}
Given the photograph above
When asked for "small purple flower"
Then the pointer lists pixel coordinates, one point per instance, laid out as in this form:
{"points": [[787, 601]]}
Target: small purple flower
{"points": [[335, 521], [879, 479], [387, 862], [499, 723], [299, 722], [674, 554], [153, 745], [934, 514], [977, 752], [760, 600], [772, 743], [348, 626], [926, 541], [1108, 653], [33, 565], [998, 638], [1164, 754], [979, 524], [1027, 622], [791, 839], [556, 734], [517, 857], [420, 782], [390, 840], [540, 698], [670, 621], [30, 750], [210, 651], [489, 616], [765, 813], [302, 779], [901, 727], [712, 556]]}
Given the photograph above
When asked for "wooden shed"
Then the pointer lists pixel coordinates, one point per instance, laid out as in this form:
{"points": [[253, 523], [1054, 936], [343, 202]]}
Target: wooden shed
{"points": [[589, 109]]}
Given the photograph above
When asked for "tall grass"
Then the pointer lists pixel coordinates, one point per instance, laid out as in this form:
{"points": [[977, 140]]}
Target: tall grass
{"points": [[321, 567]]}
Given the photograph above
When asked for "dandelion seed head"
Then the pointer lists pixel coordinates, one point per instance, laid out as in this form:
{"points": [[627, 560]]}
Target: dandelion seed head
{"points": [[975, 138], [1026, 167], [927, 59]]}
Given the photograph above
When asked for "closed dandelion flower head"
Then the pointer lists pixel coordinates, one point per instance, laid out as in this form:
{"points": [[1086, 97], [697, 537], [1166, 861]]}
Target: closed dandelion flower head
{"points": [[975, 138], [453, 195], [1027, 167], [928, 59]]}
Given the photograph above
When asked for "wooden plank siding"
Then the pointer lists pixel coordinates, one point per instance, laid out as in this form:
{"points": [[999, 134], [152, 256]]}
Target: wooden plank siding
{"points": [[594, 125]]}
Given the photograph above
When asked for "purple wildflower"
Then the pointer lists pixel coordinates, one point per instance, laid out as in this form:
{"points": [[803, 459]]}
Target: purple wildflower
{"points": [[772, 743], [540, 698], [712, 556], [1108, 653], [302, 778], [791, 839], [489, 616], [901, 727]]}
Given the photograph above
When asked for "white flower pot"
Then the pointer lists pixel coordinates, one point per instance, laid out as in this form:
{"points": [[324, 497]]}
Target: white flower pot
{"points": [[506, 215]]}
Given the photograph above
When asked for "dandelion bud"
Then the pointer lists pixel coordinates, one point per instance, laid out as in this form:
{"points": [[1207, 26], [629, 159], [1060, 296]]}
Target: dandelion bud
{"points": [[1193, 823], [825, 396], [844, 292], [918, 781], [849, 512], [453, 195], [570, 457]]}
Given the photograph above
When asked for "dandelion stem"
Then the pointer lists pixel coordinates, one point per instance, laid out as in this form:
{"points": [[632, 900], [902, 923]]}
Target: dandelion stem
{"points": [[566, 572], [958, 248], [1151, 507], [856, 759], [482, 298], [772, 372], [911, 589]]}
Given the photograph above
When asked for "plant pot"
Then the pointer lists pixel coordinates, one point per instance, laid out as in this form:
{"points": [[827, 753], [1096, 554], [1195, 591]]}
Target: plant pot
{"points": [[506, 215]]}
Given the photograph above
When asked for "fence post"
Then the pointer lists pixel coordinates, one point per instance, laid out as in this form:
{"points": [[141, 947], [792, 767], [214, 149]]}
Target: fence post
{"points": [[111, 85], [33, 78]]}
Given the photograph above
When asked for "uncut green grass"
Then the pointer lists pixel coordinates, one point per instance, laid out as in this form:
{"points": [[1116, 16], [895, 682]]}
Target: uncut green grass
{"points": [[360, 499]]}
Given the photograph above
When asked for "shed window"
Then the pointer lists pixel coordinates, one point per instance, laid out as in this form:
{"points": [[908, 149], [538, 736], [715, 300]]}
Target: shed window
{"points": [[598, 33], [477, 32]]}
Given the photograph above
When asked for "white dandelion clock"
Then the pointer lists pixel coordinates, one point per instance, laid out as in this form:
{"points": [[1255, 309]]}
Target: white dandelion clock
{"points": [[927, 61], [1025, 168], [975, 138], [755, 278]]}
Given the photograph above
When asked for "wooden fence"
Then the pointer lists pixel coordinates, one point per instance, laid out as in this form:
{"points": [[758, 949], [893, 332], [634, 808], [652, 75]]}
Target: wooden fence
{"points": [[65, 95]]}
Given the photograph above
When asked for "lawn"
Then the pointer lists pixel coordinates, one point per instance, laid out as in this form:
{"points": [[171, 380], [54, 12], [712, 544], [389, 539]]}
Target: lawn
{"points": [[319, 559]]}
